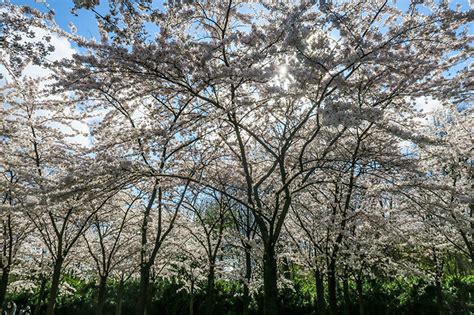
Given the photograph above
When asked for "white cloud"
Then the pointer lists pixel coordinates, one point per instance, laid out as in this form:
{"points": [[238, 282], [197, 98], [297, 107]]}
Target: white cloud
{"points": [[79, 126], [427, 107], [82, 140], [427, 104], [75, 132], [62, 50]]}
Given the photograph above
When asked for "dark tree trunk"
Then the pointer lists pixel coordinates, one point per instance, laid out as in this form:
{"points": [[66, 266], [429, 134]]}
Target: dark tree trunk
{"points": [[101, 295], [360, 294], [210, 294], [144, 297], [270, 288], [41, 293], [347, 300], [4, 284], [332, 289], [53, 293], [191, 299], [321, 302], [118, 310], [438, 278], [248, 276], [439, 297]]}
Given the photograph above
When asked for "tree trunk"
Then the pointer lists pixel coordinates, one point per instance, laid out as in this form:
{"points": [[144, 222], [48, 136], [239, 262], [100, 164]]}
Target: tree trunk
{"points": [[41, 292], [118, 310], [360, 293], [248, 276], [332, 289], [438, 278], [151, 293], [53, 293], [321, 302], [270, 288], [191, 299], [439, 297], [143, 298], [101, 295], [210, 296], [4, 284], [347, 300]]}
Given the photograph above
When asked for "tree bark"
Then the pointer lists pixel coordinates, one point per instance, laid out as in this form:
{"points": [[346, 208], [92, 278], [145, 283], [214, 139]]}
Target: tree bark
{"points": [[4, 284], [210, 294], [332, 289], [360, 293], [439, 297], [101, 295], [248, 276], [347, 300], [143, 298], [321, 302], [53, 293], [270, 286], [191, 299]]}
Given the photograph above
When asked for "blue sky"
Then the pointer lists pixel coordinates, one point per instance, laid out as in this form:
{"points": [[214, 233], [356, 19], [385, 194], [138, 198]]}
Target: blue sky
{"points": [[85, 19]]}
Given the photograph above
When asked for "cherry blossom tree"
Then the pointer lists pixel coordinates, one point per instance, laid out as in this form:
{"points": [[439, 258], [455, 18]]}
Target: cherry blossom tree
{"points": [[57, 201], [109, 240], [246, 230], [210, 215], [449, 167]]}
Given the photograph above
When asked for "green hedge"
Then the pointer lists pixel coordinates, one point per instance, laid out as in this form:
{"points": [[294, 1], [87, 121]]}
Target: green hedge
{"points": [[382, 296]]}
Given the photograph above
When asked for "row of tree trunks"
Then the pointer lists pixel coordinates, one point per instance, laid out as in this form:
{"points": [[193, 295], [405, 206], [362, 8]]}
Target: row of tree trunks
{"points": [[321, 308], [269, 270], [101, 294]]}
